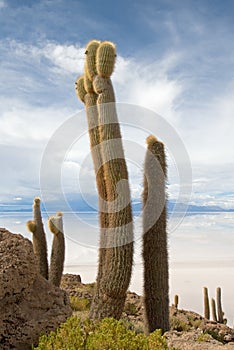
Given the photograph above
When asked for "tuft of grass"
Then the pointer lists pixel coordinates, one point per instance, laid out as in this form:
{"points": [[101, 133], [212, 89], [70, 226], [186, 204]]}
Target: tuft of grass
{"points": [[203, 337], [79, 304], [178, 325]]}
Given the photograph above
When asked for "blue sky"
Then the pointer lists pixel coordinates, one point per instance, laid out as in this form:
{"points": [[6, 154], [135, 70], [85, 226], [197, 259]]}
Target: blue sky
{"points": [[174, 57]]}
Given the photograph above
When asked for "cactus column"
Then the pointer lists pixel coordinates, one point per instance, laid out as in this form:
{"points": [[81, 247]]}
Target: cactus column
{"points": [[155, 254], [115, 261], [85, 92], [119, 251], [39, 238], [206, 303], [58, 249], [219, 305]]}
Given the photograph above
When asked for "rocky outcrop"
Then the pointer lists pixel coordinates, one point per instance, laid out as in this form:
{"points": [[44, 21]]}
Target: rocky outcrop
{"points": [[29, 304]]}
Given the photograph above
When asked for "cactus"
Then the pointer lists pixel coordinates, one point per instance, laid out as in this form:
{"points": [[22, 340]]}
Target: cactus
{"points": [[155, 254], [213, 310], [176, 301], [39, 239], [85, 92], [58, 249], [206, 303], [219, 305], [116, 253], [119, 252]]}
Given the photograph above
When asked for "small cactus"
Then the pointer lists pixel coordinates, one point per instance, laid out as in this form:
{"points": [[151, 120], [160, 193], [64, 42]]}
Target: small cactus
{"points": [[219, 305], [176, 301], [58, 249], [206, 303], [39, 239], [213, 309]]}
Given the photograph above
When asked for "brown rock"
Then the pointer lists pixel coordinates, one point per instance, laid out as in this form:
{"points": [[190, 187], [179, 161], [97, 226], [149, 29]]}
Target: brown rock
{"points": [[29, 304]]}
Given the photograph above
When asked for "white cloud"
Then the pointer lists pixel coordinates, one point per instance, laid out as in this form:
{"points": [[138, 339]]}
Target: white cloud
{"points": [[38, 96]]}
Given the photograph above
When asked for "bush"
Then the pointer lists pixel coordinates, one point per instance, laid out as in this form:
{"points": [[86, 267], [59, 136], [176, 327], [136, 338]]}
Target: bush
{"points": [[108, 334]]}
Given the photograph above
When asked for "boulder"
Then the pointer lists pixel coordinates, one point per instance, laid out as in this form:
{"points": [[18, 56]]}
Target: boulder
{"points": [[29, 304]]}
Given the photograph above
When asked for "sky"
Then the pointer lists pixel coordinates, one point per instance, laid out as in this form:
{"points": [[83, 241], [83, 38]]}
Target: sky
{"points": [[175, 58]]}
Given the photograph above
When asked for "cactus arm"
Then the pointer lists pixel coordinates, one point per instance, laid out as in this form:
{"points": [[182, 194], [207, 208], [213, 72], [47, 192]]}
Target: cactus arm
{"points": [[155, 254]]}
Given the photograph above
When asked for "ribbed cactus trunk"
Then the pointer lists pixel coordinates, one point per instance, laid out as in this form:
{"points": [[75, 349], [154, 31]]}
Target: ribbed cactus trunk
{"points": [[116, 243], [219, 305], [213, 310], [39, 238], [155, 252], [58, 249], [206, 303]]}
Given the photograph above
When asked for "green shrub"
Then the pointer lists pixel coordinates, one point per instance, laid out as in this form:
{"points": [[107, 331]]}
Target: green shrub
{"points": [[108, 334], [79, 304], [203, 337]]}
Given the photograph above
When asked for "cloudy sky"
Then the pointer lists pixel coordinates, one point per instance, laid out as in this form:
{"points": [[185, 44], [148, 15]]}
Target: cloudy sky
{"points": [[175, 58]]}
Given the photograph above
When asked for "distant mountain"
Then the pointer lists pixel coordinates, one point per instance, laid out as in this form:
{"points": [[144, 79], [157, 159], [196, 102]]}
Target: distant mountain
{"points": [[88, 203]]}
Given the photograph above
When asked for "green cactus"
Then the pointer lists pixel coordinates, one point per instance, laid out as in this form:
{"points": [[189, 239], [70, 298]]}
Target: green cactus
{"points": [[39, 239], [58, 249], [206, 303], [155, 254], [219, 305], [213, 310]]}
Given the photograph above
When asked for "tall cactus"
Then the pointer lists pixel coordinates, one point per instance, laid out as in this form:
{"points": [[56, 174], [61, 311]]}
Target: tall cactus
{"points": [[206, 303], [85, 92], [39, 239], [58, 249], [118, 234], [155, 253]]}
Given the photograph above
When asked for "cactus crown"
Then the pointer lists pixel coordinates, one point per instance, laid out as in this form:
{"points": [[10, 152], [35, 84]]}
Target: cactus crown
{"points": [[91, 49], [55, 223], [37, 201], [105, 59], [150, 140], [31, 226], [80, 89]]}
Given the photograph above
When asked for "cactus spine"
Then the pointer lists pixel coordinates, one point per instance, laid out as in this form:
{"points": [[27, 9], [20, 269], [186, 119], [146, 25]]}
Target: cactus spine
{"points": [[213, 309], [117, 234], [206, 303], [39, 239], [219, 305], [155, 254], [58, 249]]}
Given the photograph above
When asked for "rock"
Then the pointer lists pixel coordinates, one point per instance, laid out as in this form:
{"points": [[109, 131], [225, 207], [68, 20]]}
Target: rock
{"points": [[29, 304]]}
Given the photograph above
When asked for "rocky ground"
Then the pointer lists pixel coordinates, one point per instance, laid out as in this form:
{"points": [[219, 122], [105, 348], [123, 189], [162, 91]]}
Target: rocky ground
{"points": [[189, 330]]}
